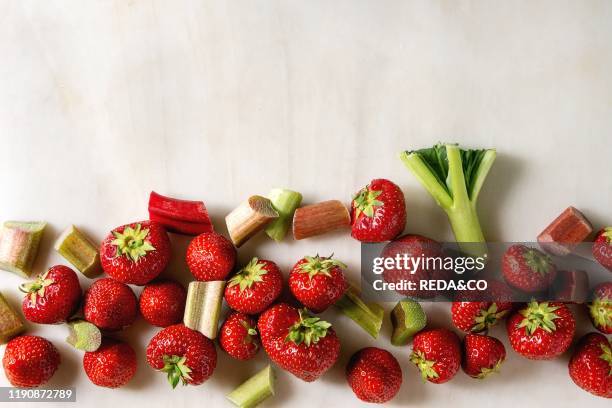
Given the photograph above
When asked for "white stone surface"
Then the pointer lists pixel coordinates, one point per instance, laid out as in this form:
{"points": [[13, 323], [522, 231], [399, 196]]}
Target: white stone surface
{"points": [[103, 101]]}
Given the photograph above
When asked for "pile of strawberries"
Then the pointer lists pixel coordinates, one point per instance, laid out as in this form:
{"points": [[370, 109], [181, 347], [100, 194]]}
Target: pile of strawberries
{"points": [[294, 338]]}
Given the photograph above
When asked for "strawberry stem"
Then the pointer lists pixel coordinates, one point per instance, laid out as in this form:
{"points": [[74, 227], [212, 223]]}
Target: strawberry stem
{"points": [[539, 315], [176, 369], [132, 242], [248, 275], [320, 265], [308, 329]]}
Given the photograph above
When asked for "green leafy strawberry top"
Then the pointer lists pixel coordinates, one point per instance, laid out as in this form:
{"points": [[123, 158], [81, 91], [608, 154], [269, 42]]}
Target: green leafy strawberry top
{"points": [[132, 242], [607, 232], [425, 366], [37, 287], [319, 265], [485, 371], [365, 201], [606, 355], [601, 312], [176, 369], [537, 261], [247, 276], [308, 330], [539, 315], [488, 318]]}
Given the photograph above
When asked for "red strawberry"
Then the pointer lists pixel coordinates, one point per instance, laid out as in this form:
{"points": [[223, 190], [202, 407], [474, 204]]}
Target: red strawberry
{"points": [[374, 375], [254, 287], [303, 345], [135, 253], [53, 297], [591, 365], [110, 305], [186, 355], [112, 365], [528, 269], [541, 330], [378, 212], [317, 282], [600, 309], [437, 354], [211, 257], [237, 336], [482, 355], [602, 248], [483, 310], [30, 361], [414, 246], [162, 303]]}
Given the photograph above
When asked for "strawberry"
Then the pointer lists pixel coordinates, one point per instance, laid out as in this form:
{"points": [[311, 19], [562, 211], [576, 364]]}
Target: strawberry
{"points": [[303, 345], [30, 361], [238, 336], [600, 308], [602, 248], [482, 355], [255, 287], [374, 375], [110, 305], [528, 269], [483, 310], [541, 330], [317, 282], [211, 257], [414, 246], [437, 354], [162, 303], [378, 212], [186, 355], [112, 365], [53, 297], [135, 253], [591, 365]]}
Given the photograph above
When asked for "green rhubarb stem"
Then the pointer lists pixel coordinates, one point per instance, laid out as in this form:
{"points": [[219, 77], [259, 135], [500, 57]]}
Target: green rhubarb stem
{"points": [[11, 323], [367, 315], [19, 243], [423, 173], [84, 335], [481, 175], [285, 202], [254, 390], [73, 245], [456, 179], [203, 307]]}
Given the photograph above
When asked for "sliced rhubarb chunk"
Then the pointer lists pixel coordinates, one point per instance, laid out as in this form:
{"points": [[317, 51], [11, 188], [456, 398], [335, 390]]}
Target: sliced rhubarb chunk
{"points": [[19, 246], [10, 322], [567, 230], [253, 391], [203, 307], [250, 217], [84, 335], [180, 216], [78, 249], [408, 318], [320, 218], [367, 315], [285, 203]]}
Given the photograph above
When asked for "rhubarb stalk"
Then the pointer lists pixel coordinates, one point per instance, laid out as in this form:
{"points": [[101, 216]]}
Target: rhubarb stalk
{"points": [[203, 307], [285, 203], [367, 315], [19, 246], [254, 390], [10, 322], [180, 216], [454, 178], [249, 218], [320, 218], [408, 319], [84, 335], [79, 251]]}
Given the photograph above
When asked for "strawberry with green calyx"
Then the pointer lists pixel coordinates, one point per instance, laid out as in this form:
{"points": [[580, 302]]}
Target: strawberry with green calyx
{"points": [[602, 248], [302, 344], [238, 336], [541, 330], [53, 297], [378, 212], [318, 282], [30, 361], [254, 287], [528, 269], [600, 308], [135, 253], [478, 311], [437, 354], [374, 375], [482, 355], [591, 365], [185, 355]]}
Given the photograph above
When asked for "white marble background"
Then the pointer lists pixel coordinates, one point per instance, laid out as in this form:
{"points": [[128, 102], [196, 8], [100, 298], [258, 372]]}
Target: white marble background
{"points": [[103, 101]]}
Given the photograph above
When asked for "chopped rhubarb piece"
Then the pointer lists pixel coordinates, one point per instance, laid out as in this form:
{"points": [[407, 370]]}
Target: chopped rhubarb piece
{"points": [[565, 232], [79, 251], [320, 218], [84, 335], [284, 202], [181, 227], [19, 246], [367, 315], [249, 218], [203, 307], [174, 208], [10, 322], [254, 390], [571, 286]]}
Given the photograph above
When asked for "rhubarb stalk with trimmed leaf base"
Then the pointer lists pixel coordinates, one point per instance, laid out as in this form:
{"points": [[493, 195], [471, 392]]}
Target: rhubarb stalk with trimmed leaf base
{"points": [[79, 251], [367, 315], [203, 307], [285, 203], [19, 246], [10, 322], [181, 216], [408, 319], [84, 335], [249, 218], [454, 178], [255, 390]]}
